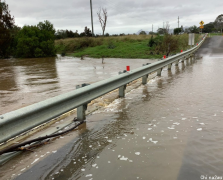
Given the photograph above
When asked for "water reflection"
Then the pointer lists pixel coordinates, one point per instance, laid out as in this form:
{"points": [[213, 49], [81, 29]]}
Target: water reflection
{"points": [[8, 76], [177, 70], [27, 81], [182, 65]]}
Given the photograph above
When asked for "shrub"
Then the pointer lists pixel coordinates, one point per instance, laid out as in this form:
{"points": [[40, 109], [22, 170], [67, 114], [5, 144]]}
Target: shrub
{"points": [[151, 42], [36, 41], [111, 45]]}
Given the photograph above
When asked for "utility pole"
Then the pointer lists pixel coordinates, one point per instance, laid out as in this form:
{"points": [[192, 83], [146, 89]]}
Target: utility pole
{"points": [[91, 19], [152, 27], [178, 21]]}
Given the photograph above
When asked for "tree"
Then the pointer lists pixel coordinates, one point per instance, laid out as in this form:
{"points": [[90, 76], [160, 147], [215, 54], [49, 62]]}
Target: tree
{"points": [[219, 22], [102, 16], [61, 34], [152, 33], [208, 27], [192, 29], [87, 32], [161, 31], [6, 25], [142, 33], [177, 30], [36, 41]]}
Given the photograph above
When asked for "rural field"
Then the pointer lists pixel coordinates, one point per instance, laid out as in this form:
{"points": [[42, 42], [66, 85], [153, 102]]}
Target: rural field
{"points": [[129, 46]]}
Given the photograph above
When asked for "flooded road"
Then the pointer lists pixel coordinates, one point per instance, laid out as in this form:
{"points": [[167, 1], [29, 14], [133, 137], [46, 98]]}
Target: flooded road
{"points": [[27, 81], [170, 128]]}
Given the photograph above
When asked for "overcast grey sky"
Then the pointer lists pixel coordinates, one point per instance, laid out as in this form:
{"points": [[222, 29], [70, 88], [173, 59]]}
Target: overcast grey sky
{"points": [[124, 16]]}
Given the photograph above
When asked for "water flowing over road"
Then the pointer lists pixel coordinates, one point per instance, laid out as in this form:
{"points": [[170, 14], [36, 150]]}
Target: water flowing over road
{"points": [[170, 128]]}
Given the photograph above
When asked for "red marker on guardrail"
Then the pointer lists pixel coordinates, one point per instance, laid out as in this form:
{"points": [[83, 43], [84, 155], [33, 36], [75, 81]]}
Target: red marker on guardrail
{"points": [[181, 51], [164, 56], [197, 44], [127, 68]]}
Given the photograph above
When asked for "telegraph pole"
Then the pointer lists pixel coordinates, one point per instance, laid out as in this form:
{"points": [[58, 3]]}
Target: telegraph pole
{"points": [[92, 19], [152, 27], [178, 21]]}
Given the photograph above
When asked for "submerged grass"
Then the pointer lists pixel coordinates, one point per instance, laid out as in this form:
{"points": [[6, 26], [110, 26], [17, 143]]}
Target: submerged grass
{"points": [[131, 46]]}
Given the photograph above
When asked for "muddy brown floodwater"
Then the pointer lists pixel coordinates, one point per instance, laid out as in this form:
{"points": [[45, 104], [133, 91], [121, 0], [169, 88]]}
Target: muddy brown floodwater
{"points": [[169, 129], [27, 81]]}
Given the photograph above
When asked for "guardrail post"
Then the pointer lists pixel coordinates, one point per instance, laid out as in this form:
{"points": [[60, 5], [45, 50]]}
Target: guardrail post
{"points": [[122, 88], [159, 72], [122, 91], [187, 59], [191, 59], [81, 112], [169, 66], [81, 109], [183, 60], [176, 63], [144, 78]]}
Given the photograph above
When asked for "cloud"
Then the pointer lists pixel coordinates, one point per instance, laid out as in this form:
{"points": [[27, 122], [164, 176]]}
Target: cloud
{"points": [[126, 16]]}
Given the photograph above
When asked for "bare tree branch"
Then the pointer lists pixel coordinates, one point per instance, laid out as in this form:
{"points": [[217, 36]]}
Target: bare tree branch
{"points": [[102, 16]]}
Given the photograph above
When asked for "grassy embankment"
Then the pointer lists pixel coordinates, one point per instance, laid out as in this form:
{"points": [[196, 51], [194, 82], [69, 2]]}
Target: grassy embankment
{"points": [[132, 46], [216, 34]]}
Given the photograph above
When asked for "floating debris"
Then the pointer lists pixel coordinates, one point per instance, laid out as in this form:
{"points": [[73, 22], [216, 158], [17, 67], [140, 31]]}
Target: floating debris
{"points": [[123, 158], [88, 175]]}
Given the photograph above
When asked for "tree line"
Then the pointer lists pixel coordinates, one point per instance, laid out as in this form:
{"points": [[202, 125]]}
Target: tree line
{"points": [[28, 41]]}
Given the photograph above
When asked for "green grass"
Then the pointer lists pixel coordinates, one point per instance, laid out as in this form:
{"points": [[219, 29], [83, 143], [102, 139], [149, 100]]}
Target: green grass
{"points": [[216, 34], [136, 49], [133, 46]]}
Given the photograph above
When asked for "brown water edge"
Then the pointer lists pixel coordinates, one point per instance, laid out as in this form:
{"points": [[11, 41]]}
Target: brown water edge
{"points": [[26, 81]]}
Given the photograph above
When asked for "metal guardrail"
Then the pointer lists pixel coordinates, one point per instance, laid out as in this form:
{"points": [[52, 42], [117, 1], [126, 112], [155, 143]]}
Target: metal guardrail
{"points": [[24, 119]]}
